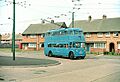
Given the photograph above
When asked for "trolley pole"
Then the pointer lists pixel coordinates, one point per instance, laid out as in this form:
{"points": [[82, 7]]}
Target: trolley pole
{"points": [[13, 32]]}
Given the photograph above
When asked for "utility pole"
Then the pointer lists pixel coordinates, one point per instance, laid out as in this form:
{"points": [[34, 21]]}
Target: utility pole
{"points": [[23, 4], [13, 32], [73, 19], [76, 6]]}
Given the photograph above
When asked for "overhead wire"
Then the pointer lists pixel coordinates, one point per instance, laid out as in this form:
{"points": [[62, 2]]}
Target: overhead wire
{"points": [[45, 12]]}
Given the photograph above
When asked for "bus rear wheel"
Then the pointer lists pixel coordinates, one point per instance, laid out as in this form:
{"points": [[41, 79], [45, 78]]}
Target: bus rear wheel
{"points": [[71, 55], [50, 54]]}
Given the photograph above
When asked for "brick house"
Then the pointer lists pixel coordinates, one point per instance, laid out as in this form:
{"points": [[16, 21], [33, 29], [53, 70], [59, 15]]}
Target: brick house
{"points": [[0, 38], [4, 38], [102, 35], [33, 36], [7, 39], [18, 39]]}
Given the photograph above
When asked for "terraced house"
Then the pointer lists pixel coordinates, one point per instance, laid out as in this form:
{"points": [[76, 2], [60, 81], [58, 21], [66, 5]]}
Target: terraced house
{"points": [[33, 36], [6, 40], [0, 38], [102, 35]]}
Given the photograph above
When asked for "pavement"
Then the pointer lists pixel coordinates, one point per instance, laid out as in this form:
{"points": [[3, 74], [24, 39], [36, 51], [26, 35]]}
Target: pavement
{"points": [[22, 61], [91, 69]]}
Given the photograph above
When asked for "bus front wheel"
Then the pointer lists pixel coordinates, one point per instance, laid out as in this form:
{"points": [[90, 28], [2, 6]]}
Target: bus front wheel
{"points": [[71, 55], [50, 54]]}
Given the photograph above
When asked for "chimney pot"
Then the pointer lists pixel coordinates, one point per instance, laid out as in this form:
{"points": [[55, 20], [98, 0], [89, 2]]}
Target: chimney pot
{"points": [[104, 16], [89, 18], [52, 21], [43, 21]]}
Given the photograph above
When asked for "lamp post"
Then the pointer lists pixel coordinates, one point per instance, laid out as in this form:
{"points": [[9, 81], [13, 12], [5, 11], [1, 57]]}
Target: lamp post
{"points": [[23, 4], [13, 32]]}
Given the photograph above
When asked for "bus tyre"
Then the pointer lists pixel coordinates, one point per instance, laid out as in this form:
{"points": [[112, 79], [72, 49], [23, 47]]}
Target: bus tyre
{"points": [[50, 54], [71, 55]]}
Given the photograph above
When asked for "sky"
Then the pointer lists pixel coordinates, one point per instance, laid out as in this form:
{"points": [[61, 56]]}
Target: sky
{"points": [[32, 11]]}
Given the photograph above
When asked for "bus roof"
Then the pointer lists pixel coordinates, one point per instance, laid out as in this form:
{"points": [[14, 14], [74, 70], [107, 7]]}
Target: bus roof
{"points": [[61, 29]]}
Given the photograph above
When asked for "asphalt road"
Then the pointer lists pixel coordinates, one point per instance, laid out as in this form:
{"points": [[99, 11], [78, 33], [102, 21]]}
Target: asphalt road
{"points": [[91, 69]]}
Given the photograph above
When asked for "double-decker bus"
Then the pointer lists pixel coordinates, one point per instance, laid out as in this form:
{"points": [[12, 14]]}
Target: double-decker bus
{"points": [[66, 42]]}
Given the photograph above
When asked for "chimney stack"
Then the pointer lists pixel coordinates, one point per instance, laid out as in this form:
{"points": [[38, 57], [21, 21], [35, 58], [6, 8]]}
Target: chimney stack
{"points": [[104, 17], [89, 18], [42, 21], [52, 21]]}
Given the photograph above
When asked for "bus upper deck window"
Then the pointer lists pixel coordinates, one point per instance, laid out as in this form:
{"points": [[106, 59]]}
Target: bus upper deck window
{"points": [[48, 34], [77, 32], [66, 32], [71, 32], [62, 32]]}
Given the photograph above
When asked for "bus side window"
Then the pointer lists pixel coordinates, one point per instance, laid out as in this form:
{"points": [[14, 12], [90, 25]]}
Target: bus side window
{"points": [[74, 45], [61, 45], [66, 45], [71, 45], [49, 45]]}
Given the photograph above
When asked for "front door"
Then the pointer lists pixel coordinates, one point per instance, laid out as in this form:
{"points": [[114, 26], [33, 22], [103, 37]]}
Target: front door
{"points": [[111, 47]]}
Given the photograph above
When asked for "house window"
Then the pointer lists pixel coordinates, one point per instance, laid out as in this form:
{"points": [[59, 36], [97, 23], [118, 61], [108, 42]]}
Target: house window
{"points": [[26, 36], [99, 45], [41, 36], [115, 34], [107, 34], [32, 45], [88, 35], [33, 36], [41, 45], [99, 34], [118, 45]]}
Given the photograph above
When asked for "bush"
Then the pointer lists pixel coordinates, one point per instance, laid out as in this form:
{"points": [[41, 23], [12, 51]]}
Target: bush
{"points": [[111, 53], [105, 53]]}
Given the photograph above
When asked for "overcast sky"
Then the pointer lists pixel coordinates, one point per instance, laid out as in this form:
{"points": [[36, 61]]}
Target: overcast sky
{"points": [[59, 10]]}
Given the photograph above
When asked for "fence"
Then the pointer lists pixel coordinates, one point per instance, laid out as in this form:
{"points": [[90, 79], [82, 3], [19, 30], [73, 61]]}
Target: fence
{"points": [[7, 45]]}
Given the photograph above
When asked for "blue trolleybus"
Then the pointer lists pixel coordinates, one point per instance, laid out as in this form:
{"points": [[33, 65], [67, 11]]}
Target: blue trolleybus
{"points": [[66, 42]]}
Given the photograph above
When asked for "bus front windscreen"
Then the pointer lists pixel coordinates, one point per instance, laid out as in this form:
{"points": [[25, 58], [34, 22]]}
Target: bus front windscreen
{"points": [[78, 45]]}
